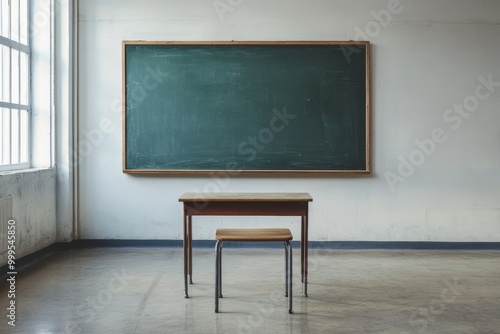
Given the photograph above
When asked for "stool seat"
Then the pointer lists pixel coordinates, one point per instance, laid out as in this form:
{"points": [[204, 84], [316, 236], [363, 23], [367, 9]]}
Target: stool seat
{"points": [[253, 234]]}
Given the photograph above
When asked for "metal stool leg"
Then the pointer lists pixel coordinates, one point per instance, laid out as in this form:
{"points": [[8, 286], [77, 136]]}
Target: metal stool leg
{"points": [[220, 269], [286, 270], [289, 274], [218, 273]]}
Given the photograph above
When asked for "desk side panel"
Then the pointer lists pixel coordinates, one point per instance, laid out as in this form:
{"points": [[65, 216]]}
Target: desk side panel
{"points": [[200, 208]]}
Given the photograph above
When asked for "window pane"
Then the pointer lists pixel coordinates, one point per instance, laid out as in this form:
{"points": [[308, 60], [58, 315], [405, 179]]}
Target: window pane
{"points": [[15, 133], [23, 11], [5, 74], [1, 136], [5, 114], [15, 77], [14, 20], [4, 15], [24, 136], [24, 83], [2, 74]]}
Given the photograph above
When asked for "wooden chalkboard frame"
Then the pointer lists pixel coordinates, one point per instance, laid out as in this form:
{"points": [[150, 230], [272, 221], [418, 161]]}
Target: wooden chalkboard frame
{"points": [[349, 44]]}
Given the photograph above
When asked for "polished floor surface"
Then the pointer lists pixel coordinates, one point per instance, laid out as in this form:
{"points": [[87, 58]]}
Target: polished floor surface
{"points": [[140, 290]]}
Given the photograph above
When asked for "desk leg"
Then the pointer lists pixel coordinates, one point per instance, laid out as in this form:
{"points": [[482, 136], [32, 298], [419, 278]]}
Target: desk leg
{"points": [[305, 224], [185, 245], [190, 233], [302, 241]]}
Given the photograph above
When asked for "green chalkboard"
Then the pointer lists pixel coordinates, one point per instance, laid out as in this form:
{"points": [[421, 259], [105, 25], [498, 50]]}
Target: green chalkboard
{"points": [[246, 107]]}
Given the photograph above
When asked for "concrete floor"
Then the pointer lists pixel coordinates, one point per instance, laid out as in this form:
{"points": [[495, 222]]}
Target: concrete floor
{"points": [[140, 290]]}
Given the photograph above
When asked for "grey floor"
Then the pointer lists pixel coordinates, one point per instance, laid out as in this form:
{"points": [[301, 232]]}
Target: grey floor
{"points": [[140, 290]]}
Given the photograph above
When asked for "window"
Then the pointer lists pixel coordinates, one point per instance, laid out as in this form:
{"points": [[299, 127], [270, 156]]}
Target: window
{"points": [[14, 84]]}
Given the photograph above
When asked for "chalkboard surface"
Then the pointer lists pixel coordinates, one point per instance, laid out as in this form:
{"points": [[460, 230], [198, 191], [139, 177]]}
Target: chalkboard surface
{"points": [[255, 107]]}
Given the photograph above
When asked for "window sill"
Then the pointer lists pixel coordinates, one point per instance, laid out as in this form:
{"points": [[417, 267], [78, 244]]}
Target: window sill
{"points": [[25, 170]]}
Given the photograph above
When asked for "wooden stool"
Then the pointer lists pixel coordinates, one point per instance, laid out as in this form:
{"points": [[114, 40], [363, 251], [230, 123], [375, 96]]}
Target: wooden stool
{"points": [[253, 235]]}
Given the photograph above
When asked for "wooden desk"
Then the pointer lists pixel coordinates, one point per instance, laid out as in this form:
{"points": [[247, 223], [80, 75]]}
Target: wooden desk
{"points": [[243, 204]]}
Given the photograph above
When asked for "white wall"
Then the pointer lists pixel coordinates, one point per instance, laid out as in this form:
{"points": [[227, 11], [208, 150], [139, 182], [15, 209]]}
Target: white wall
{"points": [[65, 120], [427, 57], [33, 209]]}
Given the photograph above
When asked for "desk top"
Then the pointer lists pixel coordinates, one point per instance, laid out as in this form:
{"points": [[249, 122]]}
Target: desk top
{"points": [[246, 197]]}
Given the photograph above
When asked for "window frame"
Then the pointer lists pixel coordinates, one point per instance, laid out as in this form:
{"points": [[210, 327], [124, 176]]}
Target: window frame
{"points": [[25, 136]]}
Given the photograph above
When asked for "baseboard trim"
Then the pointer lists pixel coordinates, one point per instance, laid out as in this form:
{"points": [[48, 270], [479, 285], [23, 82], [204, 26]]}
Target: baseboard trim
{"points": [[313, 245], [335, 245], [23, 262]]}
